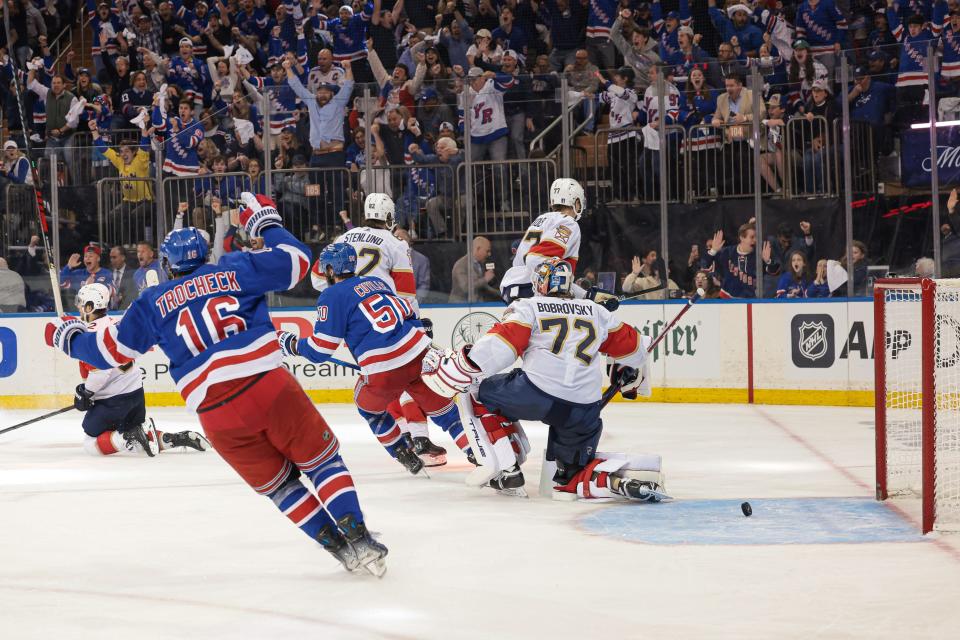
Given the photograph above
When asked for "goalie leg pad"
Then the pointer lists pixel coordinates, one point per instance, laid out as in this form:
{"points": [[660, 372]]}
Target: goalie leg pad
{"points": [[491, 460], [601, 477]]}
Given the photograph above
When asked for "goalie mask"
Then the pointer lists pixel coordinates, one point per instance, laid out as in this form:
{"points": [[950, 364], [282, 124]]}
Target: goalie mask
{"points": [[379, 206], [566, 192], [552, 277], [92, 298]]}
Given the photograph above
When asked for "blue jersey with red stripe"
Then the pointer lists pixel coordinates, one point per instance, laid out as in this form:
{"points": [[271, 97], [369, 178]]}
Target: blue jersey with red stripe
{"points": [[212, 324], [379, 327]]}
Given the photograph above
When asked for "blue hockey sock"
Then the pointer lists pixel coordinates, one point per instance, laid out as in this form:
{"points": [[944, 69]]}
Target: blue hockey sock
{"points": [[297, 503], [385, 428], [335, 489]]}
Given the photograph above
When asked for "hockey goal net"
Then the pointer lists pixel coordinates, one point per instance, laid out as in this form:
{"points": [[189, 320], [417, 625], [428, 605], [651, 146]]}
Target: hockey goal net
{"points": [[917, 361]]}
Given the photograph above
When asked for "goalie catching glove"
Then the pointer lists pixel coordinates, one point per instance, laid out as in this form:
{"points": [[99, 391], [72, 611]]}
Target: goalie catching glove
{"points": [[447, 372], [58, 333], [259, 213]]}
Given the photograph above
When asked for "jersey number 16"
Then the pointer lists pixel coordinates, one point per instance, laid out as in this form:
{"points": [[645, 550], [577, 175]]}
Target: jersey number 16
{"points": [[219, 319]]}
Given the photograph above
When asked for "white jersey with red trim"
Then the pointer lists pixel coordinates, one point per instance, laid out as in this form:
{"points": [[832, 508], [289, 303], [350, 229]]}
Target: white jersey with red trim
{"points": [[115, 381], [552, 235], [380, 254], [561, 342]]}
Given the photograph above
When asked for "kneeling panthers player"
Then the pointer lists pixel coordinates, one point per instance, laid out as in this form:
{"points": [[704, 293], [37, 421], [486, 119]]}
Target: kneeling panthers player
{"points": [[116, 420], [561, 341]]}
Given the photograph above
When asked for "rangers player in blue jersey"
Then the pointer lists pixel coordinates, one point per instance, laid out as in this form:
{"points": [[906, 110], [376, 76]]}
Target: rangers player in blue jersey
{"points": [[211, 320], [388, 342]]}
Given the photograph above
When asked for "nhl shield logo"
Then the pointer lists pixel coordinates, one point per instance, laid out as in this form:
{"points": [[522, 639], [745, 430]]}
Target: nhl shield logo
{"points": [[812, 341]]}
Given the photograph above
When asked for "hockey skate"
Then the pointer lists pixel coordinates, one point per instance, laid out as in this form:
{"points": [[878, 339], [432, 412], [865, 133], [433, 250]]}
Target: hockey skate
{"points": [[184, 439], [509, 482], [333, 541], [369, 554], [409, 459], [430, 454], [143, 438], [634, 489]]}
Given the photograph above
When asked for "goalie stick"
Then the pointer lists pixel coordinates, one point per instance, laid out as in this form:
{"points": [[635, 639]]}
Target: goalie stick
{"points": [[41, 209], [37, 419], [615, 389]]}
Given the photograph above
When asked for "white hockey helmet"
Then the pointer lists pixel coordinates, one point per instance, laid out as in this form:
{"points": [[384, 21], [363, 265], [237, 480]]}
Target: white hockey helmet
{"points": [[379, 206], [95, 294], [567, 192], [552, 277]]}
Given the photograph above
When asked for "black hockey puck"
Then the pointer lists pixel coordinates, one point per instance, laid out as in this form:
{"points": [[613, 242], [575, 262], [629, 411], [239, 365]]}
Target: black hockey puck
{"points": [[747, 509]]}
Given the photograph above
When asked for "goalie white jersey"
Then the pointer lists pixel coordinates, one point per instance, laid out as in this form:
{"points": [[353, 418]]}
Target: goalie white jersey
{"points": [[382, 255], [106, 383], [552, 234], [561, 342]]}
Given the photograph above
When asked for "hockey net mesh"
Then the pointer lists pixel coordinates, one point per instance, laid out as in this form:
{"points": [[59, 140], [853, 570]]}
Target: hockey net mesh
{"points": [[903, 386], [947, 415]]}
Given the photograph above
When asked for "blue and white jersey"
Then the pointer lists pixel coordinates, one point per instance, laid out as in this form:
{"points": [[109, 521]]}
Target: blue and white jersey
{"points": [[379, 327], [600, 18], [488, 121], [912, 71], [213, 324], [350, 37], [192, 77], [822, 26]]}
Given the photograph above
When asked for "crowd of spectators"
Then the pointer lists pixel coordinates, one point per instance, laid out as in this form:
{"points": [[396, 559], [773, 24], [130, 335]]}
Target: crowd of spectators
{"points": [[226, 87]]}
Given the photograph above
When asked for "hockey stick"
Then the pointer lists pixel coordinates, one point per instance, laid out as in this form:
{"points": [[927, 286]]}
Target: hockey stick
{"points": [[643, 292], [41, 210], [346, 365], [37, 419], [615, 389]]}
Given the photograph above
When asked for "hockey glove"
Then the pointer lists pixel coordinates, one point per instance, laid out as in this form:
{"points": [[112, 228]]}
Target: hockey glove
{"points": [[627, 378], [82, 399], [288, 343], [605, 299], [259, 214], [453, 374], [58, 333]]}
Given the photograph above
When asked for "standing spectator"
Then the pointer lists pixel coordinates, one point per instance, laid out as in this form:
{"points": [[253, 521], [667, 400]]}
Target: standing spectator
{"points": [[825, 27], [325, 72], [421, 265], [912, 76], [13, 293], [457, 38], [62, 111], [191, 75], [803, 72], [515, 102], [84, 270], [475, 261], [582, 77], [509, 36], [736, 266], [651, 118], [124, 286], [735, 107], [872, 101], [600, 18], [349, 33], [484, 49], [622, 137], [432, 113], [134, 101], [146, 261], [184, 136], [567, 21], [398, 89], [820, 112], [735, 27], [667, 28], [640, 53], [382, 30], [860, 262], [725, 66], [488, 125], [326, 109], [771, 157], [796, 282], [136, 201]]}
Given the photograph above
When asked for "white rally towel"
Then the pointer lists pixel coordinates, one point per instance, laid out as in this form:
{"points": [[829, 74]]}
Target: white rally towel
{"points": [[836, 275], [244, 129]]}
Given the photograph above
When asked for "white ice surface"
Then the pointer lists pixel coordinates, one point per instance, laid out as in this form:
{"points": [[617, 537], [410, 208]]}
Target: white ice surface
{"points": [[179, 547]]}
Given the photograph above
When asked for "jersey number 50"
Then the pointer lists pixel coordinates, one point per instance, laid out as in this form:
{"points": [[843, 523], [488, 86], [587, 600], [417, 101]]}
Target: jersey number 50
{"points": [[385, 312], [217, 317]]}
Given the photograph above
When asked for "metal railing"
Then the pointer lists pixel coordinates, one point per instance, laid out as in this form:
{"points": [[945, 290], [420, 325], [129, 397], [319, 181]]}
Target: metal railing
{"points": [[809, 158], [311, 200], [625, 172], [126, 211], [508, 194]]}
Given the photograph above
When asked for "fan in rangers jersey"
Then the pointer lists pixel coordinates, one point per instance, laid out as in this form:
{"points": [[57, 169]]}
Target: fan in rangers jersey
{"points": [[115, 419], [554, 234], [561, 341]]}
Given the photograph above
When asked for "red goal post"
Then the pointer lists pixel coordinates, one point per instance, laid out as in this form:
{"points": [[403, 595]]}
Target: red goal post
{"points": [[917, 402]]}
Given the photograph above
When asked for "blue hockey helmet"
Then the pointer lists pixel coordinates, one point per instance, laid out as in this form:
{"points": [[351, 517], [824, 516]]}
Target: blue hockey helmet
{"points": [[183, 250], [340, 257]]}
